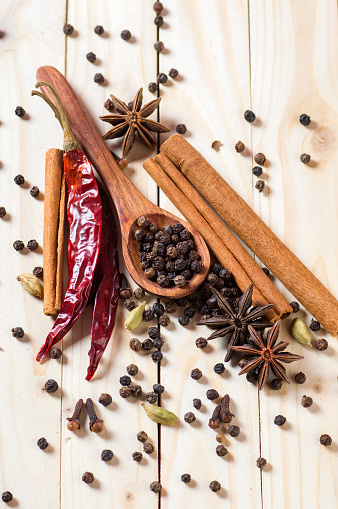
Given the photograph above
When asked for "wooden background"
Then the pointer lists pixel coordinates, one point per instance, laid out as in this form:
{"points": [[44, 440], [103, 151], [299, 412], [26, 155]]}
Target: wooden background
{"points": [[277, 58]]}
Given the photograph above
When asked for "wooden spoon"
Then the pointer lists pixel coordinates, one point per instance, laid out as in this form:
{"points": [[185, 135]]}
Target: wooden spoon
{"points": [[129, 202]]}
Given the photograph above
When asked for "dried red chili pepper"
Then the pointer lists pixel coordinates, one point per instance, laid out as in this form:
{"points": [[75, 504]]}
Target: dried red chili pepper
{"points": [[84, 211], [107, 282]]}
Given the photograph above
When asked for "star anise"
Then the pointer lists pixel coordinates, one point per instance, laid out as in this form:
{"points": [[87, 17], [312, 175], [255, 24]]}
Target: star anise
{"points": [[265, 354], [236, 322], [129, 121]]}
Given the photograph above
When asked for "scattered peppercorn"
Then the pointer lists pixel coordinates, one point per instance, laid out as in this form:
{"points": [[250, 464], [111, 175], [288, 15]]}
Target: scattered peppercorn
{"points": [[19, 111], [305, 158], [55, 353], [3, 212], [153, 87], [239, 147], [158, 21], [307, 401], [35, 191], [234, 430], [257, 171], [148, 315], [158, 388], [125, 391], [2, 34], [42, 443], [159, 46], [173, 73], [7, 496], [266, 271], [164, 320], [215, 486], [107, 455], [137, 456], [18, 332], [181, 128], [189, 417], [158, 342], [304, 119], [186, 478], [295, 306], [99, 78], [132, 369], [19, 180], [300, 378], [136, 390], [68, 29], [135, 344], [260, 158], [109, 105], [260, 184], [196, 403], [155, 487], [221, 450], [314, 325], [157, 356], [32, 245], [105, 399], [242, 363], [212, 394], [148, 448], [196, 374], [139, 293], [322, 344], [252, 377], [142, 436], [129, 304], [201, 342], [162, 78], [51, 386], [190, 312], [171, 306], [219, 368], [99, 29], [147, 345], [157, 6], [261, 462], [91, 57], [158, 310], [280, 420], [276, 384], [88, 478], [151, 397], [220, 437], [125, 380], [125, 35], [249, 116], [325, 440]]}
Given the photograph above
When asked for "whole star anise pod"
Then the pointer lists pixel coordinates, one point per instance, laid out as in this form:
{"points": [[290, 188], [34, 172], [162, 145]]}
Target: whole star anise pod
{"points": [[236, 322], [265, 354], [128, 121]]}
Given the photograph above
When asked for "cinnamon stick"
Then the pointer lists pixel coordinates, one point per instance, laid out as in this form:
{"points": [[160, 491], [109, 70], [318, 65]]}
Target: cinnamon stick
{"points": [[52, 211], [60, 247], [193, 216], [254, 232]]}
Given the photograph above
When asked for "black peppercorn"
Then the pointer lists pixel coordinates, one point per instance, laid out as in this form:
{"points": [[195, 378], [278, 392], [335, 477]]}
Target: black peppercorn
{"points": [[35, 191], [3, 212], [158, 342], [325, 440], [212, 394], [153, 332], [295, 306], [219, 368], [173, 73], [190, 312], [55, 353], [215, 486], [300, 378], [164, 320], [152, 87], [19, 180], [233, 430], [88, 478], [99, 29], [196, 374], [147, 344], [125, 380], [201, 342], [257, 171], [51, 386], [6, 496], [181, 128], [125, 391], [139, 293], [148, 315], [18, 332], [132, 369], [2, 34], [158, 21], [32, 245], [137, 456], [158, 388], [109, 105], [162, 78], [19, 111], [183, 320], [239, 147], [189, 417], [305, 158], [314, 325], [276, 384], [261, 462], [307, 401], [158, 6], [150, 273], [171, 306], [260, 184], [105, 399], [151, 397], [148, 448], [304, 119], [221, 450], [260, 158], [196, 403], [135, 344], [185, 478], [91, 57], [322, 344], [157, 356], [142, 436], [99, 78], [249, 116], [159, 46], [155, 487], [107, 455], [129, 304], [280, 420], [136, 390], [42, 443], [266, 271], [68, 29], [125, 35], [252, 377], [196, 266]]}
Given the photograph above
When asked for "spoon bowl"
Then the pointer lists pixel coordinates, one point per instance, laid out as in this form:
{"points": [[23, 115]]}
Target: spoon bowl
{"points": [[129, 202]]}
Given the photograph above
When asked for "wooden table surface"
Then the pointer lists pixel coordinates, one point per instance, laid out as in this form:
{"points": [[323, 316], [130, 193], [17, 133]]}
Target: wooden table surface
{"points": [[278, 59]]}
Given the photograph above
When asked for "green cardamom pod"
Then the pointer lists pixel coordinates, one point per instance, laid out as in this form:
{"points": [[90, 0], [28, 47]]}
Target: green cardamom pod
{"points": [[31, 284], [300, 332], [135, 316], [160, 415]]}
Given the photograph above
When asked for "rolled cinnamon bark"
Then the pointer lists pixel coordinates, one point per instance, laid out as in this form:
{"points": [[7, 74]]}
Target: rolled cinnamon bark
{"points": [[60, 246], [254, 232], [214, 242], [253, 270], [53, 176]]}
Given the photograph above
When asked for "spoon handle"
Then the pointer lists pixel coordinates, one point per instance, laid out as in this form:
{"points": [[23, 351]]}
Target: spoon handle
{"points": [[129, 202]]}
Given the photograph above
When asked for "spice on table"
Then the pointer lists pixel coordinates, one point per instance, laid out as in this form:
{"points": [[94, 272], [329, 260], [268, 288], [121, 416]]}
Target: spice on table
{"points": [[139, 293], [220, 437], [216, 145], [257, 171], [18, 332], [186, 478], [305, 158], [225, 414], [154, 332], [239, 147], [151, 397], [325, 439], [221, 450], [148, 315], [279, 420], [125, 290], [42, 443], [173, 73], [249, 116], [158, 21], [201, 343], [2, 34], [157, 356], [307, 401], [136, 390], [95, 424], [215, 486], [162, 78], [31, 284], [181, 128], [300, 378], [99, 29], [264, 353], [6, 496], [158, 6], [197, 403], [276, 384], [132, 370], [189, 417], [158, 309], [51, 386], [73, 423], [129, 304], [135, 344], [127, 122], [99, 78], [125, 391], [19, 111], [314, 325], [107, 455], [260, 184], [158, 342], [91, 57], [322, 344], [68, 29], [159, 46], [300, 332], [171, 306], [234, 430], [55, 353], [135, 316], [148, 448], [18, 245], [142, 436], [19, 180], [137, 456], [153, 87], [212, 394], [158, 388], [196, 374], [3, 212], [155, 487], [147, 345], [252, 377], [125, 380], [219, 368], [261, 462], [295, 306], [88, 478], [35, 191], [260, 159], [105, 399], [160, 415], [164, 320], [32, 245], [304, 119], [214, 421], [125, 35]]}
